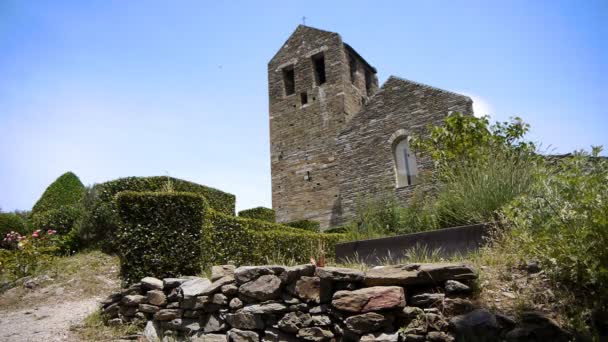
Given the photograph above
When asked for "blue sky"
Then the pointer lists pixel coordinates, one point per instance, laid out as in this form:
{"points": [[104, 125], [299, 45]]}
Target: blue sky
{"points": [[109, 89]]}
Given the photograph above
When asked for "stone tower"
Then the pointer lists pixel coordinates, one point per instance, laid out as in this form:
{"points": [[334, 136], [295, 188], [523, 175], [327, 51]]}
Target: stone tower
{"points": [[316, 84]]}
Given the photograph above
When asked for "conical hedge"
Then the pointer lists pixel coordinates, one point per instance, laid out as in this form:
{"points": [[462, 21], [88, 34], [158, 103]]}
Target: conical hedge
{"points": [[66, 190]]}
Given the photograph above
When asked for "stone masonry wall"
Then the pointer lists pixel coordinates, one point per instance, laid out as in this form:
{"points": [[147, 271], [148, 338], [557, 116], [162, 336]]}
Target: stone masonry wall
{"points": [[400, 108], [302, 136], [411, 302]]}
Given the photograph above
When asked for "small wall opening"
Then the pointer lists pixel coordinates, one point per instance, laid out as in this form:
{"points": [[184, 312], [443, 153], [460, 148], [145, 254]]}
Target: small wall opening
{"points": [[368, 81], [289, 81], [318, 63], [304, 98], [352, 64]]}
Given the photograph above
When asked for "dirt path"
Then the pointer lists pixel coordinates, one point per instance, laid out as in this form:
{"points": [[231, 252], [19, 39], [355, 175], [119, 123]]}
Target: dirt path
{"points": [[48, 323]]}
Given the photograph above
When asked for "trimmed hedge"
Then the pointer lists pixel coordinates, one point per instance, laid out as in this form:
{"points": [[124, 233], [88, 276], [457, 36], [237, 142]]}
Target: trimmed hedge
{"points": [[242, 241], [309, 225], [67, 190], [11, 222], [159, 234], [259, 213], [62, 220], [102, 220]]}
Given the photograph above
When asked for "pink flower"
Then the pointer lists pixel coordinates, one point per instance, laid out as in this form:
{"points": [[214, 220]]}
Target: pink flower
{"points": [[51, 231], [35, 234]]}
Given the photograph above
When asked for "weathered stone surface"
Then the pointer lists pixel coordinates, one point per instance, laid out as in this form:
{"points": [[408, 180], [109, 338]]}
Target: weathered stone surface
{"points": [[152, 332], [134, 289], [147, 308], [436, 322], [194, 287], [156, 297], [426, 299], [439, 336], [235, 304], [245, 320], [151, 283], [308, 289], [293, 273], [111, 299], [418, 274], [210, 338], [236, 335], [217, 285], [111, 310], [167, 314], [219, 299], [294, 321], [365, 323], [221, 271], [212, 323], [128, 311], [170, 283], [246, 274], [477, 326], [414, 338], [370, 299], [320, 320], [535, 326], [133, 300], [265, 287], [456, 287], [268, 308], [339, 274], [315, 334], [275, 335], [380, 337], [230, 289]]}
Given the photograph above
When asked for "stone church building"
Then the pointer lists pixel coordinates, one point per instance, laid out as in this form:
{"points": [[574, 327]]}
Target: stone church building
{"points": [[336, 136]]}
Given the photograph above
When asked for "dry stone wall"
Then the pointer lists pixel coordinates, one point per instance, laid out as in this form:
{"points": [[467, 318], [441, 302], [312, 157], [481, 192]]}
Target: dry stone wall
{"points": [[410, 302]]}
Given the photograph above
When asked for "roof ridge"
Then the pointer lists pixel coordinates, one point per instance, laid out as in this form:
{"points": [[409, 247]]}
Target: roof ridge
{"points": [[425, 85]]}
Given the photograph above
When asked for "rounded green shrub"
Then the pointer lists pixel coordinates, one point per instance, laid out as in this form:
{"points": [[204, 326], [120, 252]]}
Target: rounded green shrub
{"points": [[259, 213], [67, 190], [62, 219], [312, 226]]}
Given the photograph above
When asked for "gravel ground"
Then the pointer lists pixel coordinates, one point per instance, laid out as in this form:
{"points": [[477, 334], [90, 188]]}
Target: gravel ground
{"points": [[48, 323]]}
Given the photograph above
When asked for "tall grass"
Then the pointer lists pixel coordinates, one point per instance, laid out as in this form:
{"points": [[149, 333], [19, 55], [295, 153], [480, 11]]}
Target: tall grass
{"points": [[475, 191]]}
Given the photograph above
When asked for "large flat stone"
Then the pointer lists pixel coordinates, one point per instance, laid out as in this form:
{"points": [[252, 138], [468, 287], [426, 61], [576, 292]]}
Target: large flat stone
{"points": [[194, 287], [339, 274], [246, 274], [418, 274], [370, 299], [263, 288]]}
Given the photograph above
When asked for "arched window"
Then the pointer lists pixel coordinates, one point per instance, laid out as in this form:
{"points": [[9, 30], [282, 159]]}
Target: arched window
{"points": [[405, 162]]}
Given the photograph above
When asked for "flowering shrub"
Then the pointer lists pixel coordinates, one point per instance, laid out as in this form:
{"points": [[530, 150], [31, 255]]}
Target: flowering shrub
{"points": [[27, 254]]}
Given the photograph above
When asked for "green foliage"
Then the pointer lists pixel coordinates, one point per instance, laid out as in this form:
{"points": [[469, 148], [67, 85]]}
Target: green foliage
{"points": [[62, 219], [11, 222], [229, 239], [159, 234], [30, 254], [67, 190], [384, 216], [259, 213], [101, 218], [468, 139], [309, 225], [564, 224]]}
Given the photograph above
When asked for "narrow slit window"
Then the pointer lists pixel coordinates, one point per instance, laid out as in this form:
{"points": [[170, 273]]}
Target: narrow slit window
{"points": [[318, 63], [405, 164], [352, 63], [368, 81], [304, 98], [289, 81]]}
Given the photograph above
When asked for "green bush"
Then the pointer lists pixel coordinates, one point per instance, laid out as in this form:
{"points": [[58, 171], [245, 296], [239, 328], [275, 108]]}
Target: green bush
{"points": [[62, 219], [309, 225], [241, 241], [564, 225], [67, 190], [11, 222], [159, 234], [259, 213], [101, 218]]}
